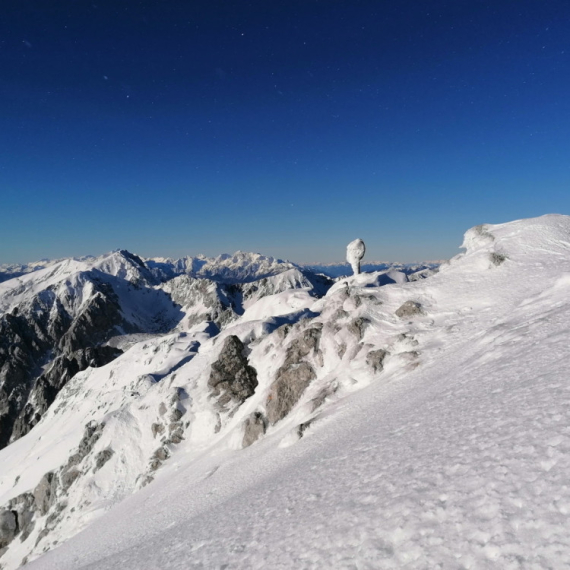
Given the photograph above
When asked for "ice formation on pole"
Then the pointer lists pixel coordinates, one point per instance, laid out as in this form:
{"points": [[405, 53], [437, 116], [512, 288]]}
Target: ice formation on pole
{"points": [[354, 253]]}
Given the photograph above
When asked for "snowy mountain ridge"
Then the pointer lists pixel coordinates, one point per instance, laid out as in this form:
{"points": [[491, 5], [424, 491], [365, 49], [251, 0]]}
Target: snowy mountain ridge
{"points": [[382, 422]]}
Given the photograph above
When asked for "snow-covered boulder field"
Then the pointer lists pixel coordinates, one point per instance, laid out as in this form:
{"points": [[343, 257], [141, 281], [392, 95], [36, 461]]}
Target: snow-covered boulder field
{"points": [[381, 422]]}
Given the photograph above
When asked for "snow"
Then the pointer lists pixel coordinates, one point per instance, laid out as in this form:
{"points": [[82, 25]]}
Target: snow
{"points": [[456, 455]]}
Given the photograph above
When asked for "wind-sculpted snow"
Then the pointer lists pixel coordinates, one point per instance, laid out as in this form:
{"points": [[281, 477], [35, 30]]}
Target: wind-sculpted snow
{"points": [[430, 432], [355, 251]]}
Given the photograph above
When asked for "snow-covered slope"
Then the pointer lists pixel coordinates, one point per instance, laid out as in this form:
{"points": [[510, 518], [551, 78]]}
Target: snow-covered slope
{"points": [[418, 424], [57, 320], [241, 267]]}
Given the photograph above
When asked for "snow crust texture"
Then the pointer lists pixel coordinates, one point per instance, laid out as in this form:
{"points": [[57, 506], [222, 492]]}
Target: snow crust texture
{"points": [[390, 423]]}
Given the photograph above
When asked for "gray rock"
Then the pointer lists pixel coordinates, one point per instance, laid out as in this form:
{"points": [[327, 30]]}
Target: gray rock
{"points": [[24, 506], [498, 258], [339, 314], [322, 396], [357, 327], [302, 428], [68, 477], [91, 435], [44, 493], [289, 385], [101, 458], [375, 359], [409, 309], [175, 415], [8, 527], [305, 344], [50, 383], [293, 377], [161, 453], [157, 429], [232, 379], [254, 427]]}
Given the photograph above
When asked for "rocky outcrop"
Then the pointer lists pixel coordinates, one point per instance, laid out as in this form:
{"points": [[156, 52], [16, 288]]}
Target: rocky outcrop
{"points": [[42, 330], [358, 326], [8, 527], [498, 258], [409, 309], [293, 377], [232, 379], [375, 359], [254, 427], [48, 385], [44, 493]]}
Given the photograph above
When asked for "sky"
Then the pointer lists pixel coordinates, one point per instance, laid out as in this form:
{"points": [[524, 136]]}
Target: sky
{"points": [[288, 128]]}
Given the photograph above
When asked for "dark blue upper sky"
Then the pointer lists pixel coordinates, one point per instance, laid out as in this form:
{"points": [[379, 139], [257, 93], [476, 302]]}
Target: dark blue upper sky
{"points": [[286, 127]]}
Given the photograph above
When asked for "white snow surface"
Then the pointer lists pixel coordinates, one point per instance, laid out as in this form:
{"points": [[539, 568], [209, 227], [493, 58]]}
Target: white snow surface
{"points": [[239, 267], [455, 455]]}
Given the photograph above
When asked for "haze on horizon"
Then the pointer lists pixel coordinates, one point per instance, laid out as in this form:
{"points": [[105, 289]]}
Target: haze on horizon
{"points": [[288, 128]]}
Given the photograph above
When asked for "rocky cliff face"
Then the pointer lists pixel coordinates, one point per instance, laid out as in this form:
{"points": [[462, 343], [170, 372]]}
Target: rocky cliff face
{"points": [[54, 325]]}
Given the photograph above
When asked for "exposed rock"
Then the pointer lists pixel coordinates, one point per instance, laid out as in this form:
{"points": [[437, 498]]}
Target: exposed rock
{"points": [[357, 327], [8, 527], [283, 330], [157, 429], [44, 493], [325, 393], [288, 387], [68, 477], [90, 437], [339, 314], [48, 385], [254, 427], [302, 428], [409, 309], [161, 453], [375, 359], [24, 506], [175, 415], [176, 436], [40, 330], [293, 377], [497, 258], [101, 458], [232, 379], [304, 344]]}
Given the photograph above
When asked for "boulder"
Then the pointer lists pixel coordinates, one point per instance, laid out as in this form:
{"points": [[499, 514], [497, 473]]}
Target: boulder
{"points": [[409, 309], [8, 527], [232, 379], [44, 493], [375, 359], [254, 427]]}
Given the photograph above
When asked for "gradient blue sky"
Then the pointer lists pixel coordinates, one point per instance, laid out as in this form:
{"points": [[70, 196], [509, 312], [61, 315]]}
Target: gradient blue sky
{"points": [[284, 127]]}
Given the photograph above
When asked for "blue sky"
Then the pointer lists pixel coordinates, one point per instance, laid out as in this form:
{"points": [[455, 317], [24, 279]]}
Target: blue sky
{"points": [[289, 128]]}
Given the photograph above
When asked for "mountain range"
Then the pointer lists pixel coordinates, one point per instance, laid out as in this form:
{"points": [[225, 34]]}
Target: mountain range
{"points": [[247, 412]]}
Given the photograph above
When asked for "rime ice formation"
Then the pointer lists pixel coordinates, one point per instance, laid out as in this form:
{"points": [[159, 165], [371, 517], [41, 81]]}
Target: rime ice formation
{"points": [[354, 253]]}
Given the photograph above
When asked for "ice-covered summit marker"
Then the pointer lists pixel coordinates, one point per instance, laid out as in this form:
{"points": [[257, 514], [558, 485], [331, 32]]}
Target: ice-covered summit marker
{"points": [[354, 253]]}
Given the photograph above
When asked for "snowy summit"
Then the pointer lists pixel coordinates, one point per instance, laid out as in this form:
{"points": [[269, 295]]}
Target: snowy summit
{"points": [[156, 417]]}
